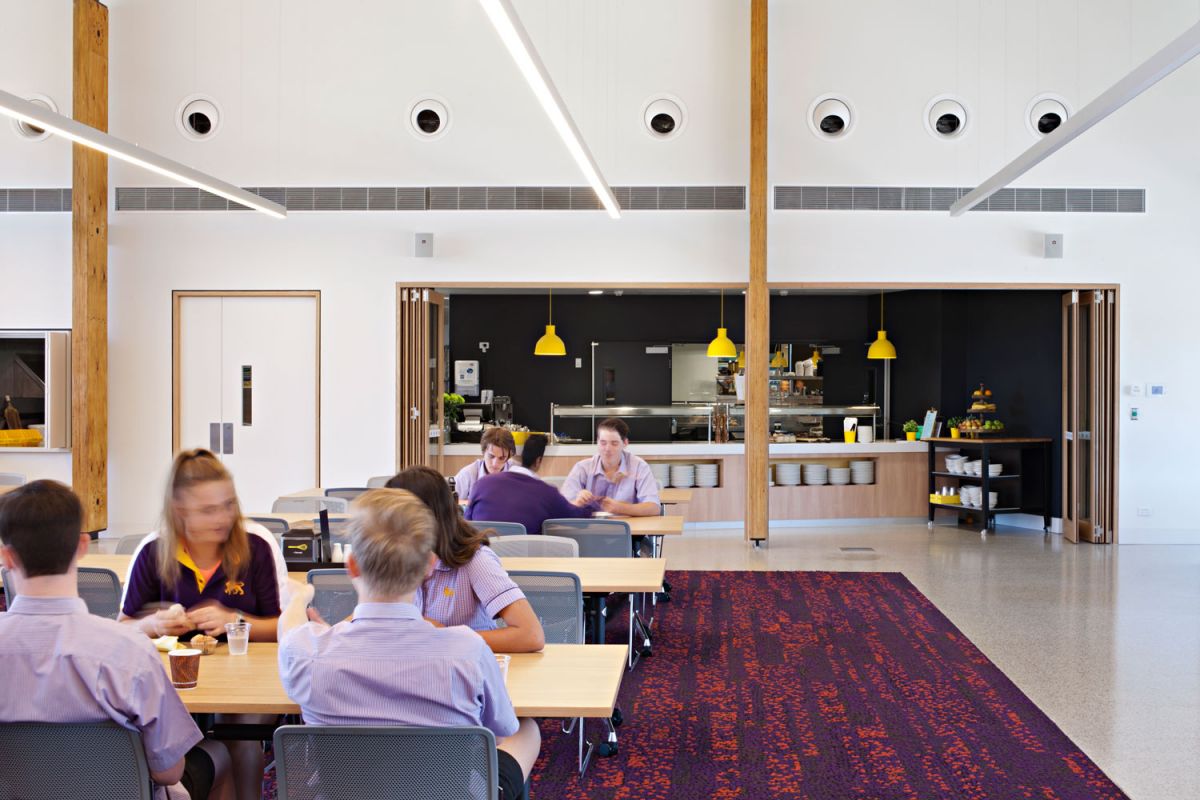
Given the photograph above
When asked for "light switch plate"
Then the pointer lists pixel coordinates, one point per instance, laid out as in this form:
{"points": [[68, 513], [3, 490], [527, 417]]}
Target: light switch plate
{"points": [[1135, 390], [578, 363]]}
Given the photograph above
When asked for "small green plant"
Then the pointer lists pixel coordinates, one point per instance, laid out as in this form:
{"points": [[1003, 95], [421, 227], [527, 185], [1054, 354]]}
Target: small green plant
{"points": [[911, 426], [954, 422], [451, 403]]}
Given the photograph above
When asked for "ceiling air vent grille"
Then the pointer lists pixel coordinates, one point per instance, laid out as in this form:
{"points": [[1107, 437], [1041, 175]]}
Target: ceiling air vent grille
{"points": [[433, 198], [940, 198]]}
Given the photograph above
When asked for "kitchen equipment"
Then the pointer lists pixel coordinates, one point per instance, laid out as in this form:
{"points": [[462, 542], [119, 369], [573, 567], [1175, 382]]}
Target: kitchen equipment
{"points": [[466, 378], [502, 409]]}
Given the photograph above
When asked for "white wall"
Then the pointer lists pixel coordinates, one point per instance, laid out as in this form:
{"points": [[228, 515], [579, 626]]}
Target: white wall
{"points": [[316, 93]]}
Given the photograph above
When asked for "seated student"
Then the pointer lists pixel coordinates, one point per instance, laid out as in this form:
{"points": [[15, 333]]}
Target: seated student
{"points": [[498, 448], [519, 495], [388, 666], [468, 585], [61, 664], [204, 560]]}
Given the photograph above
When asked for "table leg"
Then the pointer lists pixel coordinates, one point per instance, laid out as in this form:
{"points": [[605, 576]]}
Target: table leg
{"points": [[984, 488], [1046, 487], [932, 480]]}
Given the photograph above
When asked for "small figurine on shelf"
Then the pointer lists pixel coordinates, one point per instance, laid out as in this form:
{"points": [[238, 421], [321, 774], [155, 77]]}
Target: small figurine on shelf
{"points": [[12, 417], [910, 430]]}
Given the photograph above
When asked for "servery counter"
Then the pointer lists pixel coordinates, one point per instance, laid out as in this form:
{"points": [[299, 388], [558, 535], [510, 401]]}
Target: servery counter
{"points": [[899, 488]]}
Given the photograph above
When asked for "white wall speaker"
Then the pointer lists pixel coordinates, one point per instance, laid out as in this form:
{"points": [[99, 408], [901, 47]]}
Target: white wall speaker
{"points": [[423, 245]]}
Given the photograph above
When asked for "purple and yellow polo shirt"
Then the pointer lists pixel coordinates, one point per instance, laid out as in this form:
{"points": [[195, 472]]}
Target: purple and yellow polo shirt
{"points": [[255, 592]]}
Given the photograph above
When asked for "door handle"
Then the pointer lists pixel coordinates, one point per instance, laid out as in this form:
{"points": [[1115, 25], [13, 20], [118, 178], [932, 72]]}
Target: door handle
{"points": [[1068, 436], [214, 437], [227, 428], [414, 413]]}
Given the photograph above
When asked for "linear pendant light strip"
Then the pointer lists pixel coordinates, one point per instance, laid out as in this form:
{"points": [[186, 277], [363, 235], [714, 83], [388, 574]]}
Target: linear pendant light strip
{"points": [[59, 125], [1150, 72], [508, 25]]}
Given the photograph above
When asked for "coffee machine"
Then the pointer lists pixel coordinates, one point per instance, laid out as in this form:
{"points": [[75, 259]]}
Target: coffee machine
{"points": [[502, 409]]}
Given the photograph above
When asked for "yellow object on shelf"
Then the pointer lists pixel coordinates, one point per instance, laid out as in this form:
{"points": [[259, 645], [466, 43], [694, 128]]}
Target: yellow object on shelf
{"points": [[21, 438], [851, 436], [945, 499], [519, 437]]}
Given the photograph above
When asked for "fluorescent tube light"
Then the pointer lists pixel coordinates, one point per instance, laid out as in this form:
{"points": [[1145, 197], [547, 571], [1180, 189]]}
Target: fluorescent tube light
{"points": [[33, 114], [1150, 72], [508, 25]]}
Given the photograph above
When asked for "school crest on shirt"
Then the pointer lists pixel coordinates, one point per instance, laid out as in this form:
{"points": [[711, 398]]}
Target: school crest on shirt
{"points": [[235, 587]]}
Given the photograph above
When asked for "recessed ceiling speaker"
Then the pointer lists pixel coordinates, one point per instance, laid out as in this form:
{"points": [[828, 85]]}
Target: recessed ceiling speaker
{"points": [[428, 118], [33, 132], [830, 117], [946, 117], [1045, 114], [663, 117], [198, 118]]}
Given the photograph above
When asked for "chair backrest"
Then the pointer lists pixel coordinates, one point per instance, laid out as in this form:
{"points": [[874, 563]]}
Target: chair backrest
{"points": [[597, 538], [102, 759], [309, 505], [347, 494], [557, 599], [538, 546], [378, 482], [128, 545], [101, 590], [334, 596], [499, 528], [556, 481], [337, 529], [352, 761], [12, 479], [273, 524]]}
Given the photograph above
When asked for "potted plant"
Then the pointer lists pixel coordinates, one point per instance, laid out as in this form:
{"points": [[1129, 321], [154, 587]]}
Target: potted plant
{"points": [[451, 403], [953, 424], [910, 430]]}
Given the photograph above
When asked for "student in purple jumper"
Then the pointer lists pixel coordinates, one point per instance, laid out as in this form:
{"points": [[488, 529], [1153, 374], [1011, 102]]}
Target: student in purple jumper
{"points": [[387, 665], [468, 585], [204, 560], [62, 664], [519, 495]]}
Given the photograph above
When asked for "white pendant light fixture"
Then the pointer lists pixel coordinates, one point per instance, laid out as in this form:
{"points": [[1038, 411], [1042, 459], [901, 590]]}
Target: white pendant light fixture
{"points": [[33, 114], [508, 25]]}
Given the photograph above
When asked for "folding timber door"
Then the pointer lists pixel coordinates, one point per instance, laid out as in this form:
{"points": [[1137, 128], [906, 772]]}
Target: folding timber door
{"points": [[1090, 376], [420, 325]]}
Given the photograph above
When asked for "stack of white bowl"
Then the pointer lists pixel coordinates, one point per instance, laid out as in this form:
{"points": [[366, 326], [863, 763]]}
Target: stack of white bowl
{"points": [[787, 474], [662, 472], [816, 474], [956, 464], [770, 477], [995, 469], [683, 475], [970, 496], [862, 472], [839, 476], [706, 475], [975, 467]]}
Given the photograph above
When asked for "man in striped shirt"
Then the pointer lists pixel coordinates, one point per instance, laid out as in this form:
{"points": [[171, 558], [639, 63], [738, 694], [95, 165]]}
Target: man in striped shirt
{"points": [[388, 666]]}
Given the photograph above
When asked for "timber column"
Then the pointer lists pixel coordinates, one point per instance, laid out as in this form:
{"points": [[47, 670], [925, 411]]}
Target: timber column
{"points": [[758, 330], [89, 298]]}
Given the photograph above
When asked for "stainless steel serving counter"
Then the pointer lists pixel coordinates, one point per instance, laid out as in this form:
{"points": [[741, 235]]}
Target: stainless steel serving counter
{"points": [[703, 411]]}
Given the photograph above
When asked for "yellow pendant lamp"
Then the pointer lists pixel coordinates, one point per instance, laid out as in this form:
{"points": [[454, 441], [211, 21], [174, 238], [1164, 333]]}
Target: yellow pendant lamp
{"points": [[722, 346], [550, 344], [778, 359], [816, 356], [881, 348]]}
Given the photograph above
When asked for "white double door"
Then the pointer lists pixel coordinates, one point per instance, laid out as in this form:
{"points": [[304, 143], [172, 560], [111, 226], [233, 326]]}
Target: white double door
{"points": [[248, 378]]}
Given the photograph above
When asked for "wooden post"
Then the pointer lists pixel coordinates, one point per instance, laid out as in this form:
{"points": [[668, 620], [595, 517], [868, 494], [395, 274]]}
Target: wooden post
{"points": [[758, 332], [89, 299]]}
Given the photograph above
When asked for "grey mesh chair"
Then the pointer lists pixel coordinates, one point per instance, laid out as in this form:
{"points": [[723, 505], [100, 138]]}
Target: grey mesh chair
{"points": [[537, 546], [309, 505], [341, 762], [128, 545], [334, 596], [347, 494], [605, 538], [499, 528], [275, 525], [101, 591], [12, 479], [378, 482], [105, 760]]}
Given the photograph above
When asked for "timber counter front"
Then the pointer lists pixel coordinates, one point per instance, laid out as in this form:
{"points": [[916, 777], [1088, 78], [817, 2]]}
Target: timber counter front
{"points": [[899, 489]]}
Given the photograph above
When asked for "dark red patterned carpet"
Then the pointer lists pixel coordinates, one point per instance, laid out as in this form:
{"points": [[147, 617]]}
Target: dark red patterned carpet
{"points": [[818, 685]]}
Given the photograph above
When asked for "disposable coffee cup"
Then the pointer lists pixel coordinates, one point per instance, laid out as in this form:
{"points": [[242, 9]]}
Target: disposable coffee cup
{"points": [[503, 661], [185, 668]]}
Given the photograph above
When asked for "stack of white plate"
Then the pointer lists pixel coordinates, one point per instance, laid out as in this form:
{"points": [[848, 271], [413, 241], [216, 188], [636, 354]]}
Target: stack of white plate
{"points": [[955, 464], [683, 475], [770, 477], [662, 473], [862, 472], [839, 476], [816, 474], [787, 474], [706, 475]]}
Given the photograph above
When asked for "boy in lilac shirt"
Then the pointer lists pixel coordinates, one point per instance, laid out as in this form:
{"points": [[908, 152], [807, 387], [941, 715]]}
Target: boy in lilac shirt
{"points": [[62, 664], [387, 665]]}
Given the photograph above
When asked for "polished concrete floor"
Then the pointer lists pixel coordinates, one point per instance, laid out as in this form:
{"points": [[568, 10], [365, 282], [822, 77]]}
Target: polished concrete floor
{"points": [[1105, 640]]}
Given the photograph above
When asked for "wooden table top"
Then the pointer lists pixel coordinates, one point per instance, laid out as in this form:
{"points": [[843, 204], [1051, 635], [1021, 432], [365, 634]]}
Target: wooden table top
{"points": [[564, 680], [7, 487], [966, 442], [596, 575], [669, 496], [295, 519]]}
